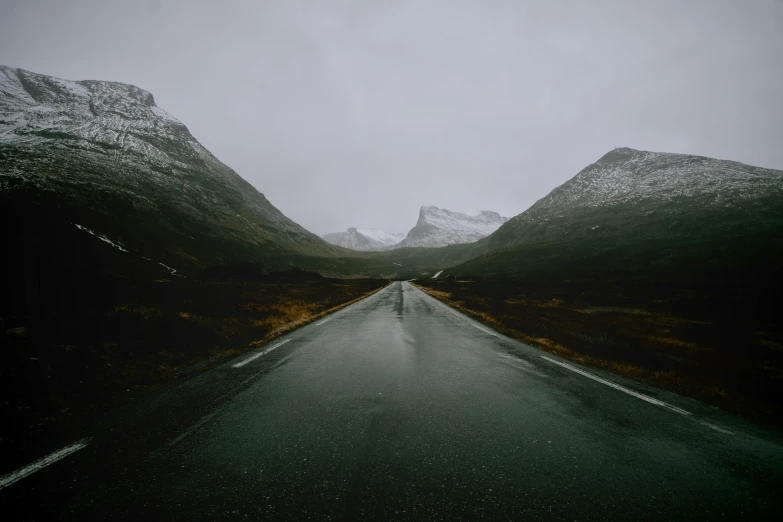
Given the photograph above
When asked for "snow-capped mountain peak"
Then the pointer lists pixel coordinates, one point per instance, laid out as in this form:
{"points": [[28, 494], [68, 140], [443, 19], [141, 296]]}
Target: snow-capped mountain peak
{"points": [[628, 187], [438, 227], [109, 116]]}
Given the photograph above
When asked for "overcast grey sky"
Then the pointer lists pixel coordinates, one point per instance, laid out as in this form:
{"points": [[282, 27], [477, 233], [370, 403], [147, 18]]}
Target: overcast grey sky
{"points": [[355, 113]]}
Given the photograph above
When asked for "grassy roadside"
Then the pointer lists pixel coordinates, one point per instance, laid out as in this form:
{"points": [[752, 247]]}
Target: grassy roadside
{"points": [[308, 318], [701, 344], [96, 352]]}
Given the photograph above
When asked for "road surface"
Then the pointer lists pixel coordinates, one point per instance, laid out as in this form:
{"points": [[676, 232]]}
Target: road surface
{"points": [[398, 407]]}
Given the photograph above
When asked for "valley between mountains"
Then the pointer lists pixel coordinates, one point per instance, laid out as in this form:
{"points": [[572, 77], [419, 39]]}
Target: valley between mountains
{"points": [[136, 260]]}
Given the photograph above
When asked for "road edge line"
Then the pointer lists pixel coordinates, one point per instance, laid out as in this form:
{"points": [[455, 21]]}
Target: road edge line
{"points": [[41, 463], [259, 354], [616, 386]]}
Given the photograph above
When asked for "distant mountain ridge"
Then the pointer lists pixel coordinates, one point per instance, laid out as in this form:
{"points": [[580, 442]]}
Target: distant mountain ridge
{"points": [[437, 227], [364, 239], [107, 158]]}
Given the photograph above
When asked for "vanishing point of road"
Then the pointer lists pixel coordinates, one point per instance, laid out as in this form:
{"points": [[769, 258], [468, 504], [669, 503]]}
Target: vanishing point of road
{"points": [[398, 407]]}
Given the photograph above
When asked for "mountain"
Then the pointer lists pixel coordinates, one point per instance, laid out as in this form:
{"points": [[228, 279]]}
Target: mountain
{"points": [[439, 227], [638, 211], [364, 239], [100, 160]]}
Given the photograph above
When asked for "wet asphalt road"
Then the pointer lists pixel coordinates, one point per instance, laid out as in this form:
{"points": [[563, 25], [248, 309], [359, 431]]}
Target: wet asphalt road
{"points": [[398, 407]]}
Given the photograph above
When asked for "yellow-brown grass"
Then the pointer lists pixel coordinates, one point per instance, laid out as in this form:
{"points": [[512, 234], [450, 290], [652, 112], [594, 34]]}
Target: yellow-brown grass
{"points": [[278, 310], [296, 315], [676, 342], [147, 312], [499, 322]]}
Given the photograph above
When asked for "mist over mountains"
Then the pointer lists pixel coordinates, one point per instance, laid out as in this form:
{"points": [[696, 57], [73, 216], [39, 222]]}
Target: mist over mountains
{"points": [[103, 156], [364, 239]]}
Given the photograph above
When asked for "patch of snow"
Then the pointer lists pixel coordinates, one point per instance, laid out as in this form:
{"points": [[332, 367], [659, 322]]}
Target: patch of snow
{"points": [[172, 271], [436, 275], [101, 237]]}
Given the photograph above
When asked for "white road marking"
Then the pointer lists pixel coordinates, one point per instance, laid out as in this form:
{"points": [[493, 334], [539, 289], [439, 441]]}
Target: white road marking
{"points": [[520, 364], [716, 428], [641, 396], [322, 322], [484, 330], [444, 305], [41, 464], [193, 428], [259, 354]]}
